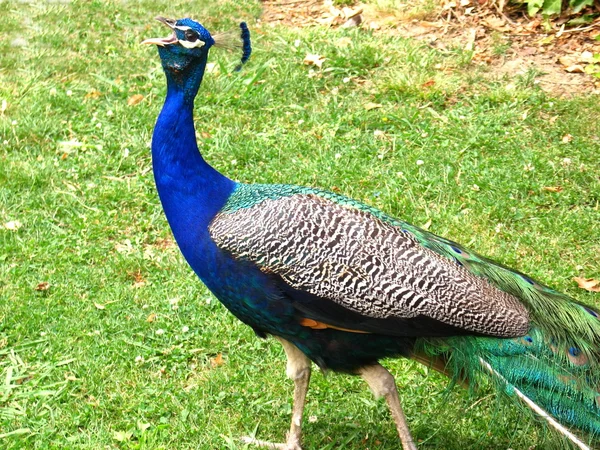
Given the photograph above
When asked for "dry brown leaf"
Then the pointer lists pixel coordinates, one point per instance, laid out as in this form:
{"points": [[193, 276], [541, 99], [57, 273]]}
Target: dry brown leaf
{"points": [[135, 99], [576, 68], [567, 60], [124, 247], [567, 138], [533, 25], [369, 106], [164, 243], [43, 286], [553, 188], [93, 94], [314, 60], [589, 284], [151, 318], [217, 360], [353, 21], [496, 23], [349, 12], [138, 279]]}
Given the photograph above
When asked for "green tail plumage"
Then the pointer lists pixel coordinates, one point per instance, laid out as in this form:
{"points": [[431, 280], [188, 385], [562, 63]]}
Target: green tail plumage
{"points": [[554, 369], [558, 379]]}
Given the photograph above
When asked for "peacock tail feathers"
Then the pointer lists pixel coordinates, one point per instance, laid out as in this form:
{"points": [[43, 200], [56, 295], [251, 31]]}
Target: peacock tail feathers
{"points": [[559, 379]]}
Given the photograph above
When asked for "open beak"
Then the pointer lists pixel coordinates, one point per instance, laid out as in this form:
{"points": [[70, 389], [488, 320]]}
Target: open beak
{"points": [[167, 40]]}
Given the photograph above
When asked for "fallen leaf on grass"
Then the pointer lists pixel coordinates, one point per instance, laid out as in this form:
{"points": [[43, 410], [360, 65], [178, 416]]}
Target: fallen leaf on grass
{"points": [[314, 60], [99, 306], [212, 68], [135, 99], [553, 188], [122, 436], [589, 284], [151, 318], [343, 42], [13, 225], [43, 286], [124, 247], [567, 138], [217, 360], [138, 279], [369, 106], [93, 94]]}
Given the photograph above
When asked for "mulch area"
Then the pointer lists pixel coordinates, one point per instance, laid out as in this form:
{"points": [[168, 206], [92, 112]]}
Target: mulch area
{"points": [[565, 55]]}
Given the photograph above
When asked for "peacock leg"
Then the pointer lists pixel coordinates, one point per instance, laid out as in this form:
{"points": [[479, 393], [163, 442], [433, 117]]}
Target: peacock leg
{"points": [[382, 384], [298, 369]]}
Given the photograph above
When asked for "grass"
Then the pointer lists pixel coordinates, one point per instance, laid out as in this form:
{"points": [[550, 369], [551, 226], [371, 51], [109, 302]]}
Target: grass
{"points": [[124, 348]]}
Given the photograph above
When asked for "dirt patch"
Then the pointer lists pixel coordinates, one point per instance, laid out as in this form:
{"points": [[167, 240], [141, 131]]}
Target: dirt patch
{"points": [[563, 61]]}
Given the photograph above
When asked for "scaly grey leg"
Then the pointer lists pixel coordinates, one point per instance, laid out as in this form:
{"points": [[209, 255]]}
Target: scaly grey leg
{"points": [[382, 384], [298, 369]]}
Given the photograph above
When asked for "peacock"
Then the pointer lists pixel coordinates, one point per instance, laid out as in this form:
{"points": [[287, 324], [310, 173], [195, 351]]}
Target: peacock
{"points": [[343, 285]]}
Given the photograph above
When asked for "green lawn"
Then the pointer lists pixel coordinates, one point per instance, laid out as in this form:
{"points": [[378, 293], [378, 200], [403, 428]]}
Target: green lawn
{"points": [[124, 348]]}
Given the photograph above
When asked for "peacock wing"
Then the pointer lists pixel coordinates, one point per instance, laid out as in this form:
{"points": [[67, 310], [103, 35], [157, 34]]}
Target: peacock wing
{"points": [[347, 268]]}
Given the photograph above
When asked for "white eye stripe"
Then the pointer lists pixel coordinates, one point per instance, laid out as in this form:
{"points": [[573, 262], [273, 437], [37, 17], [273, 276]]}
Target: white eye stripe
{"points": [[187, 44], [182, 27]]}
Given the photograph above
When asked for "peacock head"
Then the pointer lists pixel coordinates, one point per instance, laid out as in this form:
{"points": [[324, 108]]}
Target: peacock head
{"points": [[183, 54], [188, 44]]}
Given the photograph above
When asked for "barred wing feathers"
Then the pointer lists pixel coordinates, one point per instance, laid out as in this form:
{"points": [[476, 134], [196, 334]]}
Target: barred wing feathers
{"points": [[357, 262]]}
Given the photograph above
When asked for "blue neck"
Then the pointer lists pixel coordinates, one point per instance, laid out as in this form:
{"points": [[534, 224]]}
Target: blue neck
{"points": [[190, 190]]}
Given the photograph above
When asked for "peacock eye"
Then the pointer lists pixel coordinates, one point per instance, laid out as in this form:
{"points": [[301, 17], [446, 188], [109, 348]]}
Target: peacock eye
{"points": [[191, 36]]}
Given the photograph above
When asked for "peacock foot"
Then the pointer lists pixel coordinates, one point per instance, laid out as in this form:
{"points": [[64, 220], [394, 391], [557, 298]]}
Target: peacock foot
{"points": [[291, 444]]}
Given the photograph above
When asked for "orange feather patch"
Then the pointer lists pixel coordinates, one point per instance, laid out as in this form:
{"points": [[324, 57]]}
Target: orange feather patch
{"points": [[310, 323]]}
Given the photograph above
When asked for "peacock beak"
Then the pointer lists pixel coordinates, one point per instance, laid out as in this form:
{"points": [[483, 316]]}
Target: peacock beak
{"points": [[167, 40]]}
